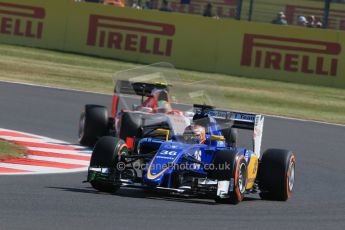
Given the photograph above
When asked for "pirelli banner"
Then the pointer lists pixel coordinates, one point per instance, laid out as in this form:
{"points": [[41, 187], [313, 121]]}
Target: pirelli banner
{"points": [[294, 54], [33, 23]]}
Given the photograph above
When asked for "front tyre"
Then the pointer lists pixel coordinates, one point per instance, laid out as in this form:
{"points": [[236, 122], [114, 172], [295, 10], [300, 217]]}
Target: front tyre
{"points": [[277, 174], [106, 155], [104, 187], [236, 174]]}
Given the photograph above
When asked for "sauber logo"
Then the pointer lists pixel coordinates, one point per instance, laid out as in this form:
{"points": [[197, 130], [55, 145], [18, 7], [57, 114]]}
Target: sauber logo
{"points": [[21, 20], [336, 17], [290, 54], [131, 35]]}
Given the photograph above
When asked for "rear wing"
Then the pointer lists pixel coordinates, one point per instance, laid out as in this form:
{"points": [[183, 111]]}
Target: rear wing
{"points": [[137, 88], [239, 120]]}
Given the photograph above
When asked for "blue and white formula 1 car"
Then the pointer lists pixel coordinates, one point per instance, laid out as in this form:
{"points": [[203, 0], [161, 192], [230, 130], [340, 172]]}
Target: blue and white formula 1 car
{"points": [[199, 162]]}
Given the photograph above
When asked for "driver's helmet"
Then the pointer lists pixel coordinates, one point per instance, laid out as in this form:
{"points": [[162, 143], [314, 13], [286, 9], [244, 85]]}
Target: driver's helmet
{"points": [[163, 107], [194, 134]]}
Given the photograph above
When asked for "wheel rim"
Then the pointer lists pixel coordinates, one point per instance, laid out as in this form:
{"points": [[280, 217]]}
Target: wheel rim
{"points": [[291, 176], [242, 178], [81, 126]]}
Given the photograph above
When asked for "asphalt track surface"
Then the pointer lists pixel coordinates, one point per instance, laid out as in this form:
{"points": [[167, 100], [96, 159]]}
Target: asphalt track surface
{"points": [[62, 201]]}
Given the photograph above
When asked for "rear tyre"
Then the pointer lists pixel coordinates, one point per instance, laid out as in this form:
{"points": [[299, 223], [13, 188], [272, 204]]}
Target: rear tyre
{"points": [[230, 135], [106, 154], [93, 124], [276, 174], [236, 174]]}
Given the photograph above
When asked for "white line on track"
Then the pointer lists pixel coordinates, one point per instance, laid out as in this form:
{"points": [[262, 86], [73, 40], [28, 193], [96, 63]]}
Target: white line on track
{"points": [[61, 151], [59, 160], [33, 170], [38, 169], [29, 139]]}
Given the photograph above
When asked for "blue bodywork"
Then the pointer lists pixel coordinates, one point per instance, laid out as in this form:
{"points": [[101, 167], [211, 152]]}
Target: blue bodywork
{"points": [[176, 157]]}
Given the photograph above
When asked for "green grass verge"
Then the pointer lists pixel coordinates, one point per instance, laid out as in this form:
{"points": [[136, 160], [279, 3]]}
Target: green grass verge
{"points": [[10, 150], [95, 74]]}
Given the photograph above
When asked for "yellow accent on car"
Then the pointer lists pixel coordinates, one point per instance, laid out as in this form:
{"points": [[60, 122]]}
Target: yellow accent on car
{"points": [[163, 83], [152, 177], [252, 170], [217, 138], [163, 132]]}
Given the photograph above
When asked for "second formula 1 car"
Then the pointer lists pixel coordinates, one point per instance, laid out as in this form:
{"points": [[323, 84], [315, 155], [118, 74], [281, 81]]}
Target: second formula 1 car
{"points": [[125, 121]]}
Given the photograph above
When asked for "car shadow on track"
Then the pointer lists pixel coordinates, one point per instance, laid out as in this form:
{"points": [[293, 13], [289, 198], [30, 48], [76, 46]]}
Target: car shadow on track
{"points": [[149, 194], [79, 190]]}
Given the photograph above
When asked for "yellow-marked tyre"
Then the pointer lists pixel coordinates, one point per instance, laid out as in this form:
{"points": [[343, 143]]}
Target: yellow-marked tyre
{"points": [[236, 174]]}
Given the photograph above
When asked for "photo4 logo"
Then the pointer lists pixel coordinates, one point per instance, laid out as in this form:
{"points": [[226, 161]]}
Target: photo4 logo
{"points": [[21, 20], [291, 54], [131, 35]]}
